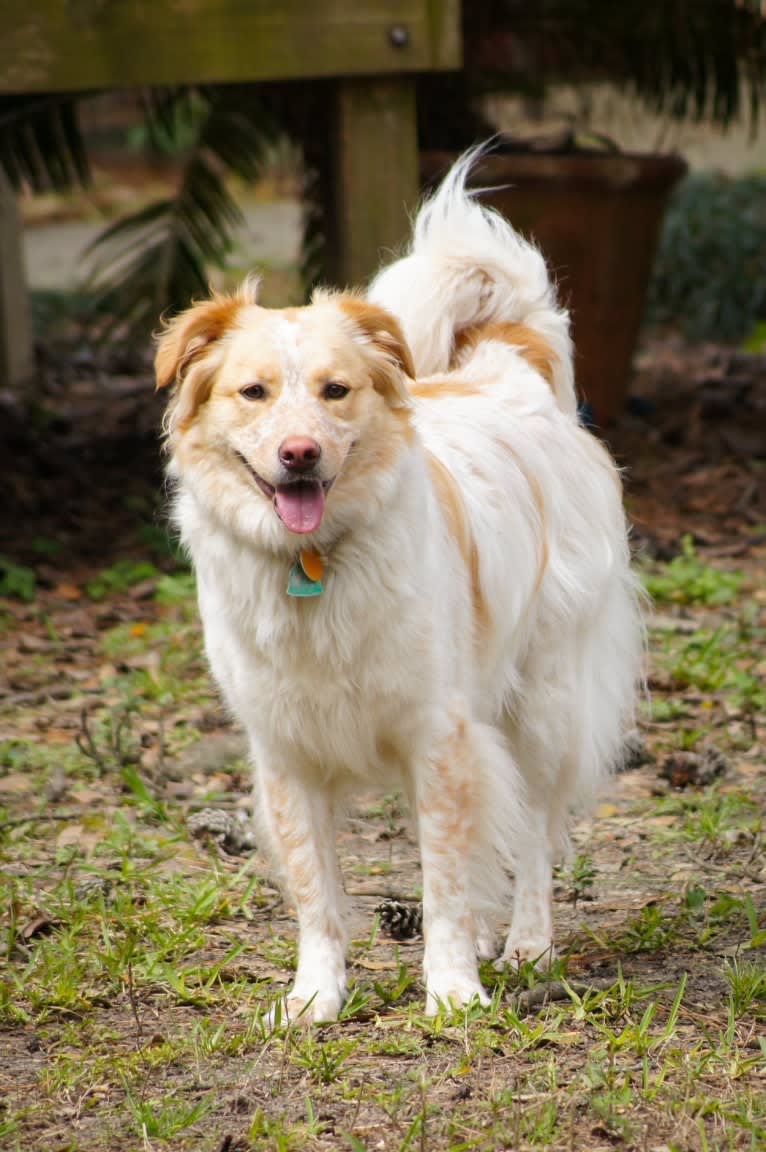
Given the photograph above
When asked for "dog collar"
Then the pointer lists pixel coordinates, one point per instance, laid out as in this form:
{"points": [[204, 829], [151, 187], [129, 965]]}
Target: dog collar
{"points": [[305, 576]]}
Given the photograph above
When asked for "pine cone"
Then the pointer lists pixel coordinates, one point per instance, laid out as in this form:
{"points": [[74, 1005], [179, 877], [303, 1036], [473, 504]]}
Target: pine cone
{"points": [[91, 887], [694, 769], [400, 921], [634, 752], [232, 832]]}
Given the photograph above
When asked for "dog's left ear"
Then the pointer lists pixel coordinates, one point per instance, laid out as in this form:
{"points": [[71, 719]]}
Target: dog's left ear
{"points": [[394, 363]]}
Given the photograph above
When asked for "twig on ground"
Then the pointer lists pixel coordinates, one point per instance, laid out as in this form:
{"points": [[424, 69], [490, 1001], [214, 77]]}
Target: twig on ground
{"points": [[87, 745], [559, 990], [31, 699], [38, 818]]}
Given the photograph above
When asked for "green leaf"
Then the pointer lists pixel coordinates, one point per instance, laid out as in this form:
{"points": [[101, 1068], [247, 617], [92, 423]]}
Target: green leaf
{"points": [[40, 142]]}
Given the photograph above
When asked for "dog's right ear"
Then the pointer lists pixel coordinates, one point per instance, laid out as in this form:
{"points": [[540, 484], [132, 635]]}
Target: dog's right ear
{"points": [[186, 337], [182, 348]]}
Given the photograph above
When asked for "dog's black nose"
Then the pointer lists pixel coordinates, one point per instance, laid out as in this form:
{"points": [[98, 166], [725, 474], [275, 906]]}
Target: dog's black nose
{"points": [[299, 453]]}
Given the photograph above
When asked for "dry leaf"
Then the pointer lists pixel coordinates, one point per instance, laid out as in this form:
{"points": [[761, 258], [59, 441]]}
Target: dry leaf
{"points": [[15, 783], [67, 592]]}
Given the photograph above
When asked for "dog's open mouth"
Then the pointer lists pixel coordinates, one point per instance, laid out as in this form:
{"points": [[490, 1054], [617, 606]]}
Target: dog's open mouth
{"points": [[299, 504]]}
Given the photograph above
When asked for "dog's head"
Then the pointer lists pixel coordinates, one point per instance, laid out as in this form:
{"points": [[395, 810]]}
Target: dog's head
{"points": [[273, 409]]}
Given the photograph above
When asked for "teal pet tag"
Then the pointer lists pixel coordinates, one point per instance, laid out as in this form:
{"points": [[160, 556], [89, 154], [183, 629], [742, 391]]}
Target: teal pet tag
{"points": [[299, 584]]}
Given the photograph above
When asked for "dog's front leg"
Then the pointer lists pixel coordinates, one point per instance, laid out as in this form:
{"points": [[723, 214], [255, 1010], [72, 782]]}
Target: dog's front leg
{"points": [[300, 823], [446, 802]]}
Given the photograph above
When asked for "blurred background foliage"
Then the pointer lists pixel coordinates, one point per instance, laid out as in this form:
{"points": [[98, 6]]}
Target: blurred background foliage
{"points": [[685, 58], [710, 273]]}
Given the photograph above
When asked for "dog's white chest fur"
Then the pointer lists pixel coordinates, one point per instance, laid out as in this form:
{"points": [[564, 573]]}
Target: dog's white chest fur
{"points": [[335, 684]]}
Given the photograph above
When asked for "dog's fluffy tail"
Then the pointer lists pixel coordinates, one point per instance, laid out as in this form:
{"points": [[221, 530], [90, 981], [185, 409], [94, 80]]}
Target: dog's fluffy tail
{"points": [[467, 267]]}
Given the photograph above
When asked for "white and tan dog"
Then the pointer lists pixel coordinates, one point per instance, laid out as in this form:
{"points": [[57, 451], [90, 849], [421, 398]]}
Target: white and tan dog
{"points": [[412, 563]]}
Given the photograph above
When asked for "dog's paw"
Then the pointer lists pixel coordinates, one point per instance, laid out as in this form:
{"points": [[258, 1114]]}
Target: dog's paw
{"points": [[527, 949], [486, 946], [323, 1007], [450, 990]]}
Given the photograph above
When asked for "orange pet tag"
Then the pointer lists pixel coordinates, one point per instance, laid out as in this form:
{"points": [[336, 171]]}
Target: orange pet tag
{"points": [[311, 563]]}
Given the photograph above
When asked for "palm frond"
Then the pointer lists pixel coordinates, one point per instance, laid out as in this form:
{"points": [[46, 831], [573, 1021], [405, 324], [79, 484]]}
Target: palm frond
{"points": [[41, 147], [685, 58], [156, 260]]}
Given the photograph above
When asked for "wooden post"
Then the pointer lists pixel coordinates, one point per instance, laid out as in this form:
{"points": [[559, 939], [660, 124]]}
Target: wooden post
{"points": [[375, 164], [16, 349]]}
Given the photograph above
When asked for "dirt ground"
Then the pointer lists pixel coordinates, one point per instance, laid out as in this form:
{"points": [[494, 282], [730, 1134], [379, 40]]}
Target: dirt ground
{"points": [[141, 940]]}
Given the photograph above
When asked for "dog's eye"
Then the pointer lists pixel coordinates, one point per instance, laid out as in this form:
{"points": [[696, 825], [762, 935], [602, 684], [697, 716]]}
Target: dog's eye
{"points": [[335, 391], [253, 392]]}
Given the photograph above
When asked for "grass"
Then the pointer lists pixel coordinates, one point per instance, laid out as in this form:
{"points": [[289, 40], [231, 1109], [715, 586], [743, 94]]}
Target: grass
{"points": [[686, 579], [136, 967]]}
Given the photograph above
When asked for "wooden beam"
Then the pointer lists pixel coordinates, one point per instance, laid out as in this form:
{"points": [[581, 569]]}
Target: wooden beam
{"points": [[376, 174], [445, 33], [49, 46], [16, 347]]}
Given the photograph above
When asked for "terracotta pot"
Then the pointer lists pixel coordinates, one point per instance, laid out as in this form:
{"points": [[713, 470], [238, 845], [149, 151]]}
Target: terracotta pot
{"points": [[597, 218]]}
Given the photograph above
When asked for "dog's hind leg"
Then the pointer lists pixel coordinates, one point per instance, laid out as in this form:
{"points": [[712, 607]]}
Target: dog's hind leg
{"points": [[530, 936], [446, 795], [299, 822]]}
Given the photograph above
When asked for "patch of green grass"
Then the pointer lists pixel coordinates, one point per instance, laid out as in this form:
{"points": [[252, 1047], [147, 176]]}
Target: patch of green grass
{"points": [[280, 1132], [714, 817], [725, 660], [694, 922], [688, 580], [17, 581], [178, 588], [747, 986], [663, 708], [120, 577], [322, 1058], [162, 1119], [580, 876], [390, 992]]}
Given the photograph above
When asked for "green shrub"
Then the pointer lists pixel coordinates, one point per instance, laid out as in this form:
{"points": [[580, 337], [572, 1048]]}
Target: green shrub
{"points": [[16, 580], [709, 276]]}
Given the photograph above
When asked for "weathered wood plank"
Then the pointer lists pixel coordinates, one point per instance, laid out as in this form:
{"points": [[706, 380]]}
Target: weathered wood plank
{"points": [[16, 350], [445, 33], [47, 45], [376, 173]]}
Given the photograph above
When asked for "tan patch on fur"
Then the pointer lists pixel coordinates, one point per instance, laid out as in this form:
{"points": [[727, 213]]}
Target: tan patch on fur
{"points": [[296, 856], [529, 343], [452, 807], [434, 389], [451, 501]]}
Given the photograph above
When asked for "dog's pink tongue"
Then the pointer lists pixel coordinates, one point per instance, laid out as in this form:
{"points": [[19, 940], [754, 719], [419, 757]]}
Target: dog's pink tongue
{"points": [[300, 506]]}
